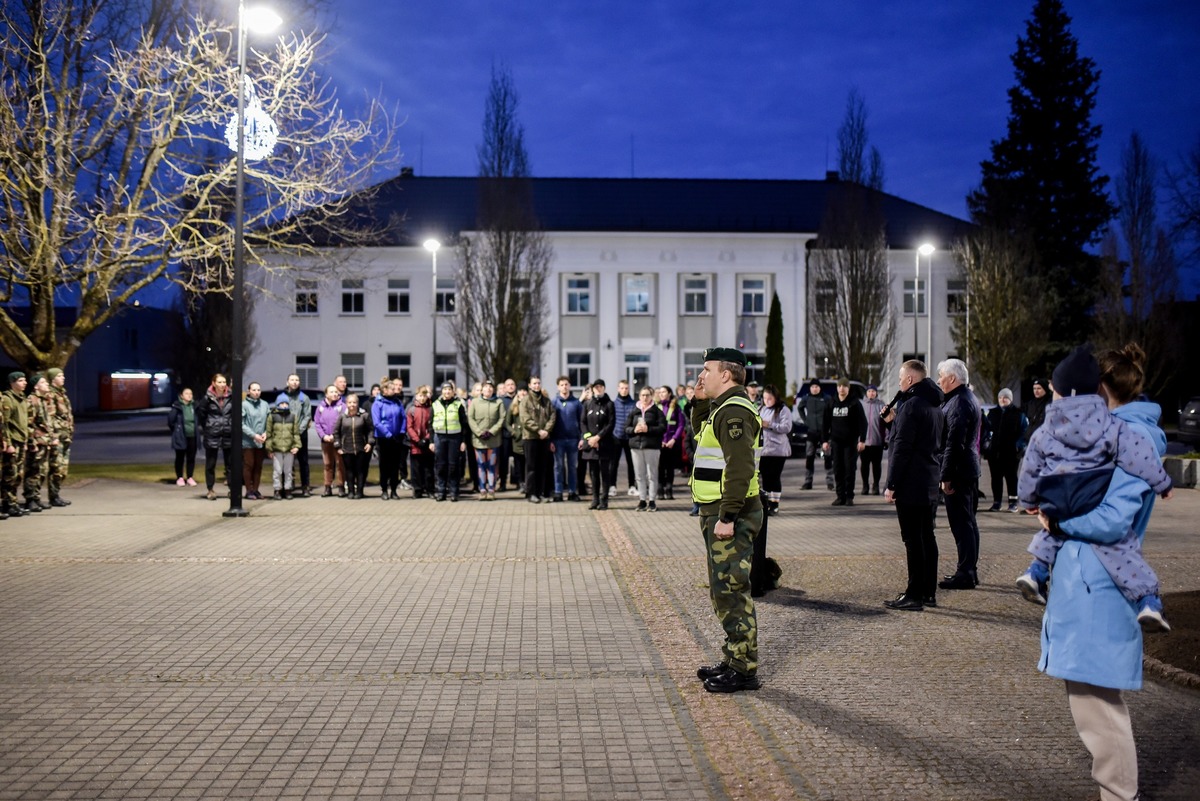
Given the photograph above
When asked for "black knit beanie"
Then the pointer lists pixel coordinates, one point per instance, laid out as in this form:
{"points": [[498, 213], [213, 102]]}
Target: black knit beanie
{"points": [[1078, 374]]}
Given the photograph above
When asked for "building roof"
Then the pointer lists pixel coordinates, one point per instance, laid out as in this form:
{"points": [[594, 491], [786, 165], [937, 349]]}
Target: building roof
{"points": [[410, 209]]}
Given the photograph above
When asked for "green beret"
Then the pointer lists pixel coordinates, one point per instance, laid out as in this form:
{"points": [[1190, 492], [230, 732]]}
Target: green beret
{"points": [[33, 379], [725, 355], [15, 375], [53, 373]]}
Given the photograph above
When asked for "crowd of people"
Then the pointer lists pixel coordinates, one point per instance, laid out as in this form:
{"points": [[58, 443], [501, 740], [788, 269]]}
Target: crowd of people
{"points": [[36, 428]]}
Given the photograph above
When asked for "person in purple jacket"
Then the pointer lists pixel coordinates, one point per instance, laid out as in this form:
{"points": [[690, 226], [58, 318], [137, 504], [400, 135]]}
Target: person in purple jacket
{"points": [[672, 448], [325, 417]]}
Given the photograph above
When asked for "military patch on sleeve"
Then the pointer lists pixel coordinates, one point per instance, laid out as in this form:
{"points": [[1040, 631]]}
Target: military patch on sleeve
{"points": [[735, 427]]}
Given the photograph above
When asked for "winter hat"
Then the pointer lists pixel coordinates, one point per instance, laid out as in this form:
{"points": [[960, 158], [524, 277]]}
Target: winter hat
{"points": [[15, 375], [1004, 393], [1043, 383], [1078, 374], [53, 373]]}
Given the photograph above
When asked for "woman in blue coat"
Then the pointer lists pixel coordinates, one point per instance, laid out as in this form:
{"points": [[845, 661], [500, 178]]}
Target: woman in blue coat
{"points": [[1090, 635]]}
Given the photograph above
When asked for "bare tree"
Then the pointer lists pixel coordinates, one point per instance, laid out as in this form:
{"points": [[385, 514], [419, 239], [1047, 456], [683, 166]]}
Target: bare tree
{"points": [[109, 109], [1184, 186], [501, 324], [1008, 316], [855, 163], [1138, 271]]}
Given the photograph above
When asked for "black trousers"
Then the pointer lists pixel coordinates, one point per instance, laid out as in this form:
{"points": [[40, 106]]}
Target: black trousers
{"points": [[960, 514], [614, 464], [1003, 468], [599, 470], [389, 450], [920, 546], [210, 464], [538, 467], [187, 455], [872, 459], [356, 466], [447, 464], [770, 469], [301, 462], [503, 454], [845, 460], [422, 471]]}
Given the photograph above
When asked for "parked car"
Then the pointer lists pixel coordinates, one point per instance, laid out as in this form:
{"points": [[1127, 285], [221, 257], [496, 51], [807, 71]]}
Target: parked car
{"points": [[1189, 422], [799, 435]]}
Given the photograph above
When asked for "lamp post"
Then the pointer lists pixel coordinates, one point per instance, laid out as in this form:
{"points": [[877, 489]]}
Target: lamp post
{"points": [[259, 19], [924, 250], [433, 246]]}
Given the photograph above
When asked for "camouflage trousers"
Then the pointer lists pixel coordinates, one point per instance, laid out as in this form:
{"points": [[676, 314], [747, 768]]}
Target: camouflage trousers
{"points": [[729, 587], [60, 464], [36, 464], [13, 475]]}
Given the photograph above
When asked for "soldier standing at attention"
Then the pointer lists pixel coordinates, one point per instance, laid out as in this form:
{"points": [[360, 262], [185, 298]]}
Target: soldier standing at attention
{"points": [[724, 483], [37, 446], [62, 425], [16, 431]]}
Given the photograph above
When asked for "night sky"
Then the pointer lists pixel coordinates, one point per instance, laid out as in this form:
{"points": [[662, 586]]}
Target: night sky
{"points": [[753, 90]]}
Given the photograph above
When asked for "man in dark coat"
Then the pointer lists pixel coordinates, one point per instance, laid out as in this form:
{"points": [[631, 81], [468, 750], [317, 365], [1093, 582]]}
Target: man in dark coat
{"points": [[847, 426], [598, 445], [914, 472], [960, 471], [811, 410]]}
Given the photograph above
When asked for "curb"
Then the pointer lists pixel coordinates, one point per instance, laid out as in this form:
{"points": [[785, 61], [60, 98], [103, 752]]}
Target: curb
{"points": [[1161, 670]]}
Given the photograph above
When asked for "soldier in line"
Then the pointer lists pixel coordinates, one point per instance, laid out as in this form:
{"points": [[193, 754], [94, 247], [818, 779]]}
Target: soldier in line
{"points": [[38, 444], [16, 431], [724, 483], [62, 426]]}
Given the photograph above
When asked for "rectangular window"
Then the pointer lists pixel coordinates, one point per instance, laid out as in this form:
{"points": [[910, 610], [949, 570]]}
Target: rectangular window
{"points": [[446, 299], [306, 369], [579, 368], [956, 297], [916, 299], [354, 368], [755, 364], [577, 295], [397, 299], [693, 363], [306, 297], [638, 294], [445, 369], [352, 296], [753, 291], [695, 294], [637, 370], [825, 296], [400, 366]]}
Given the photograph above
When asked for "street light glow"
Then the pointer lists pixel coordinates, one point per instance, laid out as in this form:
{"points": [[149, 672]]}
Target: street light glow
{"points": [[926, 249], [261, 19], [432, 245]]}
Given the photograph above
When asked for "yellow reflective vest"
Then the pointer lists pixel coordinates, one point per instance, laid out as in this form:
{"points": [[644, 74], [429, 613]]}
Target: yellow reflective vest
{"points": [[446, 417], [708, 469]]}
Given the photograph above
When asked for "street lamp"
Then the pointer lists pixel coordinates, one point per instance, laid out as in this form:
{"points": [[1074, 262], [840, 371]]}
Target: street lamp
{"points": [[260, 20], [924, 250], [433, 246]]}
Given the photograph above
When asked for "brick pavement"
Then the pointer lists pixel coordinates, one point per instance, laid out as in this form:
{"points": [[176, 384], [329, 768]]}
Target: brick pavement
{"points": [[325, 648]]}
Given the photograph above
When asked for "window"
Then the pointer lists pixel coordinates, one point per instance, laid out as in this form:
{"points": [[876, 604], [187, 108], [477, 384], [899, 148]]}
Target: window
{"points": [[693, 363], [579, 368], [352, 296], [638, 294], [306, 368], [907, 357], [397, 299], [354, 368], [400, 366], [695, 294], [637, 370], [578, 295], [445, 301], [755, 364], [445, 369], [825, 296], [956, 297], [918, 297], [754, 295], [306, 297]]}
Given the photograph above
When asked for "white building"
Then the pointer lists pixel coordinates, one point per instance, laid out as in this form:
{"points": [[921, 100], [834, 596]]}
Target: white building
{"points": [[647, 273]]}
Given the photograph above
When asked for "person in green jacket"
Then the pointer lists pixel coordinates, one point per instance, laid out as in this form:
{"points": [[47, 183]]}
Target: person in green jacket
{"points": [[16, 432], [486, 416], [282, 444]]}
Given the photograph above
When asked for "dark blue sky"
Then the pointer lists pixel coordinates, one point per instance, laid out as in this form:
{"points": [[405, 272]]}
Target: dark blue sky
{"points": [[753, 89]]}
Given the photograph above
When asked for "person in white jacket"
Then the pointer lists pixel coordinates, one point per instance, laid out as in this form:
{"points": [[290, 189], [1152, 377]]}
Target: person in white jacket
{"points": [[776, 426]]}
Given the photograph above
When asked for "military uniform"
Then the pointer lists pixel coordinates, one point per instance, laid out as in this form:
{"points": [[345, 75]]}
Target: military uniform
{"points": [[62, 426], [16, 431], [724, 483], [37, 448]]}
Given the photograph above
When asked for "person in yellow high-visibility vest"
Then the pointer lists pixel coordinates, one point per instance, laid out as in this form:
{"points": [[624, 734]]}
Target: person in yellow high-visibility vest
{"points": [[724, 483]]}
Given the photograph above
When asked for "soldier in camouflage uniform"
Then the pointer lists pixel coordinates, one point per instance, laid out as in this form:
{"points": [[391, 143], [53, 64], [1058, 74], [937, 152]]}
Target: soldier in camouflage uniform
{"points": [[724, 483], [62, 426], [16, 431], [37, 447]]}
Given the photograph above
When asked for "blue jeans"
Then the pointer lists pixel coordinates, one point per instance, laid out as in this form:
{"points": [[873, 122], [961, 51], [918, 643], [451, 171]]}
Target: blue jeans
{"points": [[566, 458]]}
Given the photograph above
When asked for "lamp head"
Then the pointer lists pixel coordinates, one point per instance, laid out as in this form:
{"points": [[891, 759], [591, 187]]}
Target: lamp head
{"points": [[926, 249], [261, 19], [432, 245]]}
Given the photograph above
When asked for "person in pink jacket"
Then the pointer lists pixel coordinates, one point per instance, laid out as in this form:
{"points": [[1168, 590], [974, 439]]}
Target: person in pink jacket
{"points": [[325, 417]]}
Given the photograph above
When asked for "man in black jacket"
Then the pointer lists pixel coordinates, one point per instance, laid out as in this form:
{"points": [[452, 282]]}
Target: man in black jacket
{"points": [[847, 426], [811, 409], [960, 471], [914, 471]]}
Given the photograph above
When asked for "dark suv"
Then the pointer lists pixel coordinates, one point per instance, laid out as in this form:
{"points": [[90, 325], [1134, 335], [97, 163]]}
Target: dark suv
{"points": [[1189, 422], [799, 435]]}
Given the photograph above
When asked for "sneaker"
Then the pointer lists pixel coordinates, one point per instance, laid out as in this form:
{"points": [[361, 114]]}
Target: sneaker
{"points": [[641, 507], [1031, 589], [179, 482], [191, 482], [1150, 616], [653, 507], [632, 492], [404, 485], [1014, 507], [612, 492], [212, 495]]}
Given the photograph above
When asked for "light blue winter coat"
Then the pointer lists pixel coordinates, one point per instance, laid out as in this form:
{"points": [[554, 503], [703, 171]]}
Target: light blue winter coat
{"points": [[254, 421], [1090, 631]]}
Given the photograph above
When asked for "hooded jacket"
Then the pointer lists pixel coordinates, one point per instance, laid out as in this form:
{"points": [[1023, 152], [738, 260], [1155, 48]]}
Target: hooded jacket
{"points": [[301, 406], [254, 421], [352, 433], [656, 424], [624, 406], [776, 426], [568, 421], [326, 414], [214, 415], [486, 415], [811, 411], [599, 419], [536, 414], [177, 422], [283, 430], [914, 467], [388, 417]]}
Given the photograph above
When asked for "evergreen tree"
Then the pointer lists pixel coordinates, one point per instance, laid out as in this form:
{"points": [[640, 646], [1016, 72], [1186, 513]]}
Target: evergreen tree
{"points": [[1042, 179], [775, 371]]}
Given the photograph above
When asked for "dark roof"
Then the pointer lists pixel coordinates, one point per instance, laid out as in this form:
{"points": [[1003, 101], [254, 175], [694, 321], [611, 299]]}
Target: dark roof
{"points": [[412, 208]]}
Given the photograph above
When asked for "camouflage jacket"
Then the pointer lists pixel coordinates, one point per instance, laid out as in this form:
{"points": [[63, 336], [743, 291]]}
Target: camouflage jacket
{"points": [[62, 420], [39, 419], [16, 417]]}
